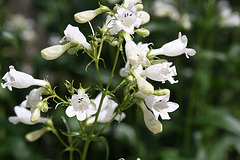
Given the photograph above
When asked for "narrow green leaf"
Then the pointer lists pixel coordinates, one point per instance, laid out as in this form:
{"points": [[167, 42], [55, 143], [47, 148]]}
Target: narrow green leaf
{"points": [[104, 140]]}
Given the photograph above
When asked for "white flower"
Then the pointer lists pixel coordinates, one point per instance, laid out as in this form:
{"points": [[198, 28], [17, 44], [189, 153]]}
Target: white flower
{"points": [[24, 116], [175, 48], [161, 72], [19, 79], [160, 105], [73, 33], [34, 97], [127, 20], [124, 71], [136, 54], [80, 106], [107, 110], [152, 124]]}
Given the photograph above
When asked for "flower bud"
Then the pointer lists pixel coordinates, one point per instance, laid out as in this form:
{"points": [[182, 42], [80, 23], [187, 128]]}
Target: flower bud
{"points": [[144, 86], [86, 16], [44, 107], [143, 32], [145, 16], [36, 115], [151, 122], [139, 7], [35, 135], [54, 52], [161, 92]]}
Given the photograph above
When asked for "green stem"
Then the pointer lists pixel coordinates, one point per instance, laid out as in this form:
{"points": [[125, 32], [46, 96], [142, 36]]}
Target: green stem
{"points": [[113, 69]]}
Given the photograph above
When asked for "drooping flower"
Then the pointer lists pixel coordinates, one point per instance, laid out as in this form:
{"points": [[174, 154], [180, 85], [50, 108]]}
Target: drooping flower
{"points": [[80, 106], [175, 48], [24, 116], [154, 125], [127, 20], [161, 72], [17, 79], [160, 105], [107, 111], [34, 97], [136, 54]]}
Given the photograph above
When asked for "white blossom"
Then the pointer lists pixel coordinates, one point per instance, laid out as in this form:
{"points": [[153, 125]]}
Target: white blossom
{"points": [[175, 48], [161, 72], [127, 20], [152, 124], [160, 105], [17, 79], [107, 111], [136, 54], [73, 33], [33, 98], [80, 106], [23, 115], [128, 3]]}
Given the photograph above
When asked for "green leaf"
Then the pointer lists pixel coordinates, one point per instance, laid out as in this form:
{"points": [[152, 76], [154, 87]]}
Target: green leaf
{"points": [[70, 134]]}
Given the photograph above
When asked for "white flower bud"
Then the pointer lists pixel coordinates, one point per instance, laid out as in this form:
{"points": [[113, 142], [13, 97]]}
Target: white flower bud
{"points": [[86, 16], [54, 52], [139, 7], [143, 32], [144, 86], [36, 115], [145, 17], [161, 92], [35, 135], [152, 124]]}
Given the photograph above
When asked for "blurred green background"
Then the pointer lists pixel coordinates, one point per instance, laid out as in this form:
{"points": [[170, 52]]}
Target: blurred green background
{"points": [[205, 127]]}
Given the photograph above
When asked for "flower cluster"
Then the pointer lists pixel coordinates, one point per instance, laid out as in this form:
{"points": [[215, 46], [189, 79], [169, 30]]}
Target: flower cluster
{"points": [[143, 63]]}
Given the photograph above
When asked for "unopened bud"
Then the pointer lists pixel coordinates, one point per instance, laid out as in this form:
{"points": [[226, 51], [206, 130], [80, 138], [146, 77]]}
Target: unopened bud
{"points": [[161, 92], [139, 7], [130, 78], [143, 32], [86, 16], [54, 52], [144, 86], [36, 115], [35, 135], [145, 16], [44, 107]]}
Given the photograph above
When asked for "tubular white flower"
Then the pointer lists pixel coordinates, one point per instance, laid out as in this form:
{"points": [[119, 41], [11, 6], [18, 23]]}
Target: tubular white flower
{"points": [[175, 48], [161, 72], [135, 56], [127, 20], [80, 106], [160, 105], [24, 116], [34, 97], [152, 124], [19, 79], [73, 33], [107, 110]]}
